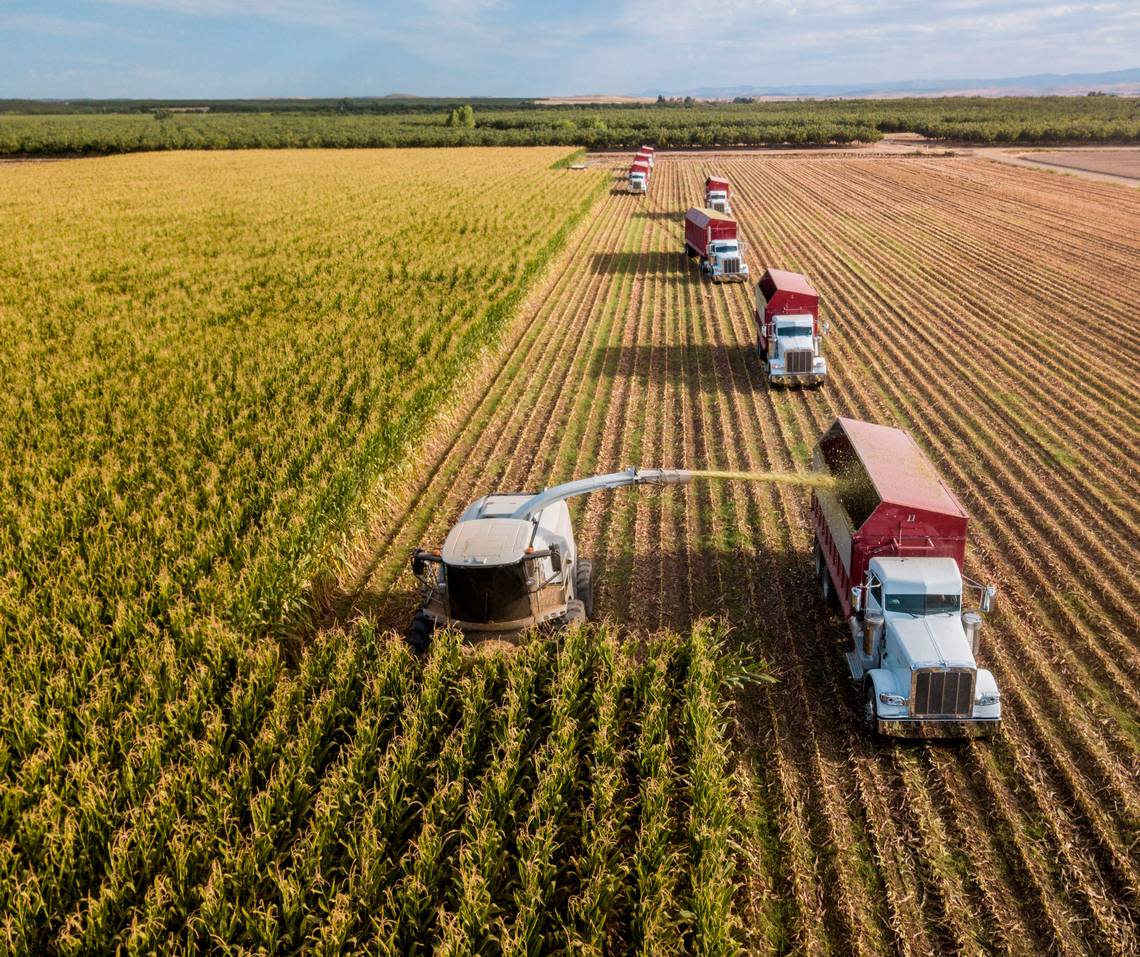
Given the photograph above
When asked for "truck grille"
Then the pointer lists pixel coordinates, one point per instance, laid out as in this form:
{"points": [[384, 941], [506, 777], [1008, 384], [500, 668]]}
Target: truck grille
{"points": [[732, 266], [943, 693], [799, 360]]}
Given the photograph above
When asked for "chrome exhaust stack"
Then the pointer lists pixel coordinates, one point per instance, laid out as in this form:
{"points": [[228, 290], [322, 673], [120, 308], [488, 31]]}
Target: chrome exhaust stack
{"points": [[871, 624], [972, 625]]}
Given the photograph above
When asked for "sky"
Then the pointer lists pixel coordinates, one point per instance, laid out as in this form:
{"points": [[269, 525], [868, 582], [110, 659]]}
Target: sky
{"points": [[251, 48]]}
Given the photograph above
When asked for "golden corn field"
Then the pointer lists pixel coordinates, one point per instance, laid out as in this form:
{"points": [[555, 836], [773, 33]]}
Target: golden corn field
{"points": [[240, 387]]}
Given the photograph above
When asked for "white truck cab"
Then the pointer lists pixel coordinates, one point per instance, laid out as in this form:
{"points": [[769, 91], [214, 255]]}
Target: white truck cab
{"points": [[914, 651], [718, 199], [725, 260], [795, 352], [638, 183]]}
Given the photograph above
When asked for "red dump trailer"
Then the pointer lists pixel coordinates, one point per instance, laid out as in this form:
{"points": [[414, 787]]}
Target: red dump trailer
{"points": [[647, 157], [889, 501], [703, 226], [782, 293], [713, 237], [640, 164], [718, 194]]}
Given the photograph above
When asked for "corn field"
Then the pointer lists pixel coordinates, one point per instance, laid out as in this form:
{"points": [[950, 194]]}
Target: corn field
{"points": [[569, 797]]}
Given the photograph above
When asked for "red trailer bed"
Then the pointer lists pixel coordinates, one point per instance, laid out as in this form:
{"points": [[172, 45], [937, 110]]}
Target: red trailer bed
{"points": [[889, 501], [703, 226]]}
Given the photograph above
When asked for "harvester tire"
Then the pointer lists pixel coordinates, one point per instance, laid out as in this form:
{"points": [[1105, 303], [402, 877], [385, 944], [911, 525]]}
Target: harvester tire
{"points": [[419, 634], [584, 585], [575, 613]]}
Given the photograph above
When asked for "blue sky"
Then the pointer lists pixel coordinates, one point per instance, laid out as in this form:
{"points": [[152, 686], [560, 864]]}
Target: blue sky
{"points": [[217, 48]]}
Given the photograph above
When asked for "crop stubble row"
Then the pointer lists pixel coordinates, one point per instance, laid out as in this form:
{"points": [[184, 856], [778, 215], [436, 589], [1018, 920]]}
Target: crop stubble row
{"points": [[628, 358], [889, 330]]}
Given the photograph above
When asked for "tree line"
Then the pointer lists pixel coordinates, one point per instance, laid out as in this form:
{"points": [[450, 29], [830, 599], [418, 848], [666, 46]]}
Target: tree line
{"points": [[1011, 120]]}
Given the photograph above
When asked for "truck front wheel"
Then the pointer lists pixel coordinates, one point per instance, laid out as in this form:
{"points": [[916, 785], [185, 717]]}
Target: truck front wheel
{"points": [[870, 708]]}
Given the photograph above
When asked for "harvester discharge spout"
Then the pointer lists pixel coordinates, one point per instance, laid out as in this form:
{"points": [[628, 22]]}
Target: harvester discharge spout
{"points": [[534, 505]]}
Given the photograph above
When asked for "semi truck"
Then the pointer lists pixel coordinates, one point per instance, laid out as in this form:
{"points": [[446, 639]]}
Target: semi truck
{"points": [[890, 541], [712, 237], [789, 334], [639, 176], [718, 194]]}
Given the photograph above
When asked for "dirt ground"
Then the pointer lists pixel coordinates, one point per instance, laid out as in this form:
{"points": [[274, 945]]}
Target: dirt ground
{"points": [[1113, 162]]}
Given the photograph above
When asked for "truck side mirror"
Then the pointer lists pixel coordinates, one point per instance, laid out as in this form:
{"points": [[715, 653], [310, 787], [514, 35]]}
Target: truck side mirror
{"points": [[555, 558], [988, 597], [419, 566], [857, 598], [826, 326]]}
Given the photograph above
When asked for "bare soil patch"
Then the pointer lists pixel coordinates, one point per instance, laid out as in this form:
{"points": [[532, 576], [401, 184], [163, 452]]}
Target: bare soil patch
{"points": [[1121, 162]]}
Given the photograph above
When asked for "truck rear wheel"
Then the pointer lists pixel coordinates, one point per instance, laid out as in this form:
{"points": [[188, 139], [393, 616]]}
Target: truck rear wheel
{"points": [[826, 590], [584, 585]]}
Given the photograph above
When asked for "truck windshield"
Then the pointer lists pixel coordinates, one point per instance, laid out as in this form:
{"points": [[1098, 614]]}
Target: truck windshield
{"points": [[726, 248], [485, 595], [804, 330], [923, 604]]}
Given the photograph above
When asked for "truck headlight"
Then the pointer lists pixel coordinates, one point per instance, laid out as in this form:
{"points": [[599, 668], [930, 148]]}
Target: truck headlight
{"points": [[991, 697], [896, 700]]}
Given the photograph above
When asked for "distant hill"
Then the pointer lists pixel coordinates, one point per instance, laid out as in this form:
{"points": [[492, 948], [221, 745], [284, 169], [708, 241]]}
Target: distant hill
{"points": [[1121, 82]]}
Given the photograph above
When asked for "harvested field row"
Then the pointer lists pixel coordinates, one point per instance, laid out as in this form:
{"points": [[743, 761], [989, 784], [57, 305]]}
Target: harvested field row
{"points": [[1025, 844]]}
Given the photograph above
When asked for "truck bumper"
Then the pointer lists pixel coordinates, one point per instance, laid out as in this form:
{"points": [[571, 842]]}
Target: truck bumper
{"points": [[928, 728], [797, 378], [730, 277]]}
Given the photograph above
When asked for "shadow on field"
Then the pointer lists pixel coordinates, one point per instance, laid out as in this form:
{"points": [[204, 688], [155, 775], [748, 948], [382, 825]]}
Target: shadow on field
{"points": [[638, 264], [712, 368], [765, 591], [661, 215], [387, 609]]}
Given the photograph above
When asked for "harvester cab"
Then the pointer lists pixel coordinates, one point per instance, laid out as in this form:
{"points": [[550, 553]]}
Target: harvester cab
{"points": [[511, 562]]}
